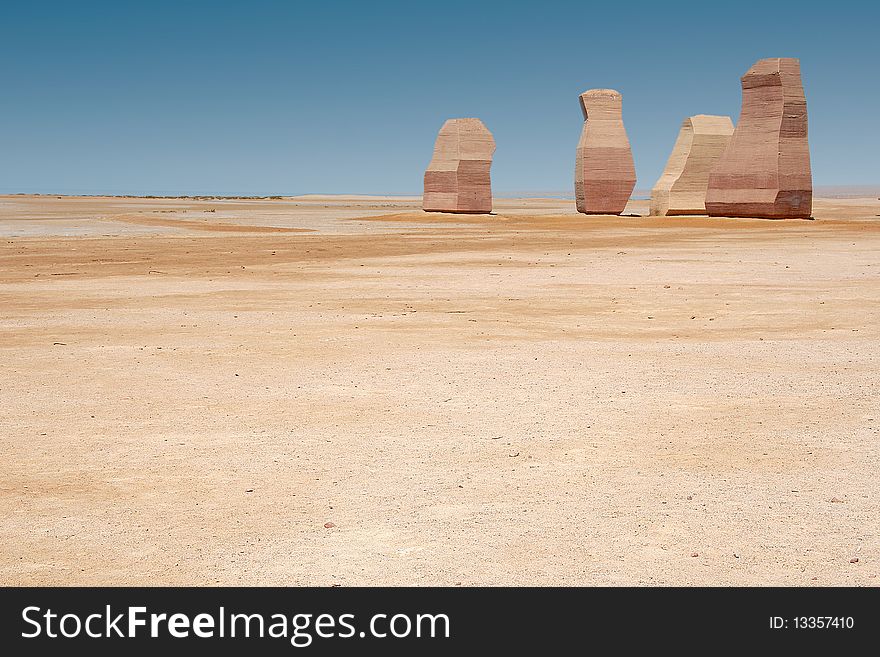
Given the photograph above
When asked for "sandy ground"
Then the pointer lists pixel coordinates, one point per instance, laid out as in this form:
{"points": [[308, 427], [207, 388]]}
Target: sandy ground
{"points": [[348, 391]]}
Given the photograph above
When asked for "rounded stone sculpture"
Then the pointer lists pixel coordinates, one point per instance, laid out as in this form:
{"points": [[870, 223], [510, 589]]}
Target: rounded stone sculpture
{"points": [[604, 172], [765, 170], [457, 179], [682, 187]]}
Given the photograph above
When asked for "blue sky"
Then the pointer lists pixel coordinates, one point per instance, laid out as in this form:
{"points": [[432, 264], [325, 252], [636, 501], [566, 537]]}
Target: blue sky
{"points": [[290, 97]]}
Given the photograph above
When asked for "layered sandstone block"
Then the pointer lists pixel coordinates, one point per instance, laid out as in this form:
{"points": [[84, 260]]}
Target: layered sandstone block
{"points": [[765, 171], [682, 187], [604, 172], [457, 179]]}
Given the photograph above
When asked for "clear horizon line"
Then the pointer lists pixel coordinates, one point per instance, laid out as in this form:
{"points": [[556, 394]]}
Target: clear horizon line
{"points": [[638, 193]]}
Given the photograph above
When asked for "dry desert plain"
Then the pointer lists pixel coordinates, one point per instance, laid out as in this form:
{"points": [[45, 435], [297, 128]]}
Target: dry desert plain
{"points": [[345, 391]]}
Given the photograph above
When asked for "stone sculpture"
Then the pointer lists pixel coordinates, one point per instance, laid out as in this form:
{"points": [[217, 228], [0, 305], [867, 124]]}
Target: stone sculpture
{"points": [[765, 170], [457, 179], [682, 187], [604, 173]]}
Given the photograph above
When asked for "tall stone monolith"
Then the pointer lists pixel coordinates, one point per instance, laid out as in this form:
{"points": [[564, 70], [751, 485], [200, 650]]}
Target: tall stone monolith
{"points": [[457, 179], [604, 172], [682, 187], [765, 170]]}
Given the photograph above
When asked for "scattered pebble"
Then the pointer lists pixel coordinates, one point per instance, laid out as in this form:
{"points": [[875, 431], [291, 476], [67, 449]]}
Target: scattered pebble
{"points": [[854, 560], [836, 499], [329, 525], [249, 490], [695, 554]]}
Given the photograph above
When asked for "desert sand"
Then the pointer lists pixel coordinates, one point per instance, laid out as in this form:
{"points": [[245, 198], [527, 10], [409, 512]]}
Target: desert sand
{"points": [[349, 391]]}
